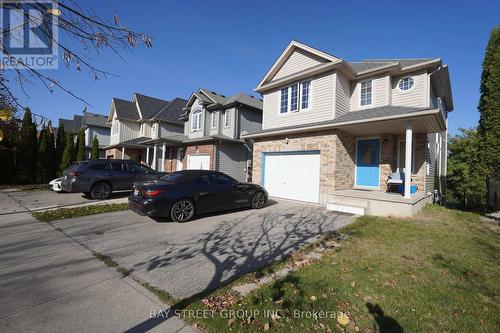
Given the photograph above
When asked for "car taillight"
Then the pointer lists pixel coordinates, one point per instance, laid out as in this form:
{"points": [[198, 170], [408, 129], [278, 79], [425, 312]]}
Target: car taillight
{"points": [[151, 193], [74, 173]]}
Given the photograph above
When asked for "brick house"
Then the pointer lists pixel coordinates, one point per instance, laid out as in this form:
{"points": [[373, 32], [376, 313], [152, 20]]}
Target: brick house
{"points": [[335, 132], [212, 128]]}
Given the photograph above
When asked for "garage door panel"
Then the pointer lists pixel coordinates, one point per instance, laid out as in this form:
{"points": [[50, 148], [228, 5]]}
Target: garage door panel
{"points": [[293, 175], [198, 162]]}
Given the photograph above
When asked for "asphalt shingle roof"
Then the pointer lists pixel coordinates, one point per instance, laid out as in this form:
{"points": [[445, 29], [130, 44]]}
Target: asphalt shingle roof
{"points": [[126, 109], [149, 106], [67, 123], [94, 119], [77, 123], [172, 111], [244, 99]]}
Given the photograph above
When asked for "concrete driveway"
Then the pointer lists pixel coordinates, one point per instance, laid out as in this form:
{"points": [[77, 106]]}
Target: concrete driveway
{"points": [[194, 257], [28, 201]]}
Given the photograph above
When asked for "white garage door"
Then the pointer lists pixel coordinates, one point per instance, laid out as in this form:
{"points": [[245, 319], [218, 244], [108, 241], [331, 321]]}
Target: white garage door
{"points": [[198, 162], [292, 175]]}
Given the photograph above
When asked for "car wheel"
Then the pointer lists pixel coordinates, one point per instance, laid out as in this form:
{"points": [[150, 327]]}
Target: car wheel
{"points": [[100, 191], [258, 200], [182, 211]]}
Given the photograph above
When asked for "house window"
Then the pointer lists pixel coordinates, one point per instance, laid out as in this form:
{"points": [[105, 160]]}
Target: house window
{"points": [[366, 93], [214, 119], [196, 120], [294, 92], [406, 83], [305, 94], [227, 118], [284, 100]]}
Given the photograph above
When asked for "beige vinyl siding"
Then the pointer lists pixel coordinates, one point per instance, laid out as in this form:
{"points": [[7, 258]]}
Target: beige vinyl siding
{"points": [[322, 105], [146, 129], [128, 130], [298, 61], [431, 161], [380, 93], [342, 95], [167, 129], [416, 96]]}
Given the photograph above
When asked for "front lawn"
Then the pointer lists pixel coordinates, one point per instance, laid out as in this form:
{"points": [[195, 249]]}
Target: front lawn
{"points": [[437, 272], [66, 213]]}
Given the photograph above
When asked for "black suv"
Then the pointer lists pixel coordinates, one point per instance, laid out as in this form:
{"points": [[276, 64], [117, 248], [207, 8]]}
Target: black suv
{"points": [[98, 178]]}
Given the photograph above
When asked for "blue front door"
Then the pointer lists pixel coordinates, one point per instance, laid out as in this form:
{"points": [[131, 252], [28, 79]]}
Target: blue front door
{"points": [[368, 163]]}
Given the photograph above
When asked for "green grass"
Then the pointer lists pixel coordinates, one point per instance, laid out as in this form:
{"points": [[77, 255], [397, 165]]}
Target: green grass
{"points": [[110, 262], [437, 272], [66, 213]]}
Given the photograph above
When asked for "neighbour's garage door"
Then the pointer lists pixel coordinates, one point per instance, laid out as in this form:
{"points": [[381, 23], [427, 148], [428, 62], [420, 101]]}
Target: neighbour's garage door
{"points": [[198, 162], [292, 175]]}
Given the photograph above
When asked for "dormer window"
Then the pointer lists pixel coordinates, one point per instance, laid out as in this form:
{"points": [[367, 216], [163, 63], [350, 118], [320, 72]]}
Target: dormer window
{"points": [[366, 93], [406, 83], [196, 120]]}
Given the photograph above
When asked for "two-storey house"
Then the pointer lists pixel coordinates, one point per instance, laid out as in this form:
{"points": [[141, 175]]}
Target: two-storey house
{"points": [[136, 124], [211, 140], [94, 125], [335, 132]]}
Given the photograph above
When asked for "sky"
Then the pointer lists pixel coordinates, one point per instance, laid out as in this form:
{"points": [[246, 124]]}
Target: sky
{"points": [[228, 46]]}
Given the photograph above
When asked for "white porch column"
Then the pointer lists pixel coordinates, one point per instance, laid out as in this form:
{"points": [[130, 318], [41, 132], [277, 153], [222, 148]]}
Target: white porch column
{"points": [[123, 153], [147, 156], [163, 158], [408, 161], [153, 165]]}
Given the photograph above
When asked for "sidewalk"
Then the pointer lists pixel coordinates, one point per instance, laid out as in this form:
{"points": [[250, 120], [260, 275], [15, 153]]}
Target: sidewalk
{"points": [[49, 283]]}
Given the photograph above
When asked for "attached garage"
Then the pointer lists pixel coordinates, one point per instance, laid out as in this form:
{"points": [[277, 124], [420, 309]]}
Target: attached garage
{"points": [[198, 162], [292, 175]]}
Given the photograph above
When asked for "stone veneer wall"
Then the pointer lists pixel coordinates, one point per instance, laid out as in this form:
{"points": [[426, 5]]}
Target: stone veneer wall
{"points": [[336, 160]]}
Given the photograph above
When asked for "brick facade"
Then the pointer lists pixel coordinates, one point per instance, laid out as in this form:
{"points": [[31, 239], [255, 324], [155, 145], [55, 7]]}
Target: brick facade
{"points": [[338, 157], [116, 153], [198, 150]]}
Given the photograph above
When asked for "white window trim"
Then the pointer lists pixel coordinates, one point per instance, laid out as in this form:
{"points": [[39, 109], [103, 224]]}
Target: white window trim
{"points": [[299, 97], [227, 115], [200, 111], [412, 87], [372, 97], [213, 120]]}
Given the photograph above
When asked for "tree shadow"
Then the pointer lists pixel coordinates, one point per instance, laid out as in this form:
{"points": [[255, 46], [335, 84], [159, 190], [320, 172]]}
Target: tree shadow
{"points": [[385, 323]]}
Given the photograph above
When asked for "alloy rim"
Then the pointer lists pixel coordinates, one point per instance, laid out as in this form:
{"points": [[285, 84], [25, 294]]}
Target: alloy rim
{"points": [[258, 200], [183, 210], [101, 191]]}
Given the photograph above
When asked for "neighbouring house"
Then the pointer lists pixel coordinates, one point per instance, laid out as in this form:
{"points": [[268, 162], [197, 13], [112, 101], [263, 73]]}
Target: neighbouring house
{"points": [[334, 131], [211, 138], [136, 124], [94, 125]]}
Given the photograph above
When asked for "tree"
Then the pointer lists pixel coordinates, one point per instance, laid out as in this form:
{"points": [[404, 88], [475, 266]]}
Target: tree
{"points": [[465, 178], [27, 150], [60, 144], [489, 106], [51, 152], [94, 155], [44, 160], [9, 132], [80, 146], [82, 33], [67, 157]]}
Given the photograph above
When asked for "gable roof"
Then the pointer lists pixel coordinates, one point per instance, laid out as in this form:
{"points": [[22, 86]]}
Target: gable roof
{"points": [[287, 53], [125, 109], [171, 112], [215, 100], [149, 106], [94, 119]]}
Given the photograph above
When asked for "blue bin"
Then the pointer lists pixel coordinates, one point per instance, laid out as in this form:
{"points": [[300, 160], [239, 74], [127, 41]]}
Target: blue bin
{"points": [[413, 189]]}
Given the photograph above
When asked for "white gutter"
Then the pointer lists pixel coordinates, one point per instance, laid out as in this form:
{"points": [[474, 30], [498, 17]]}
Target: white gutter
{"points": [[340, 124]]}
